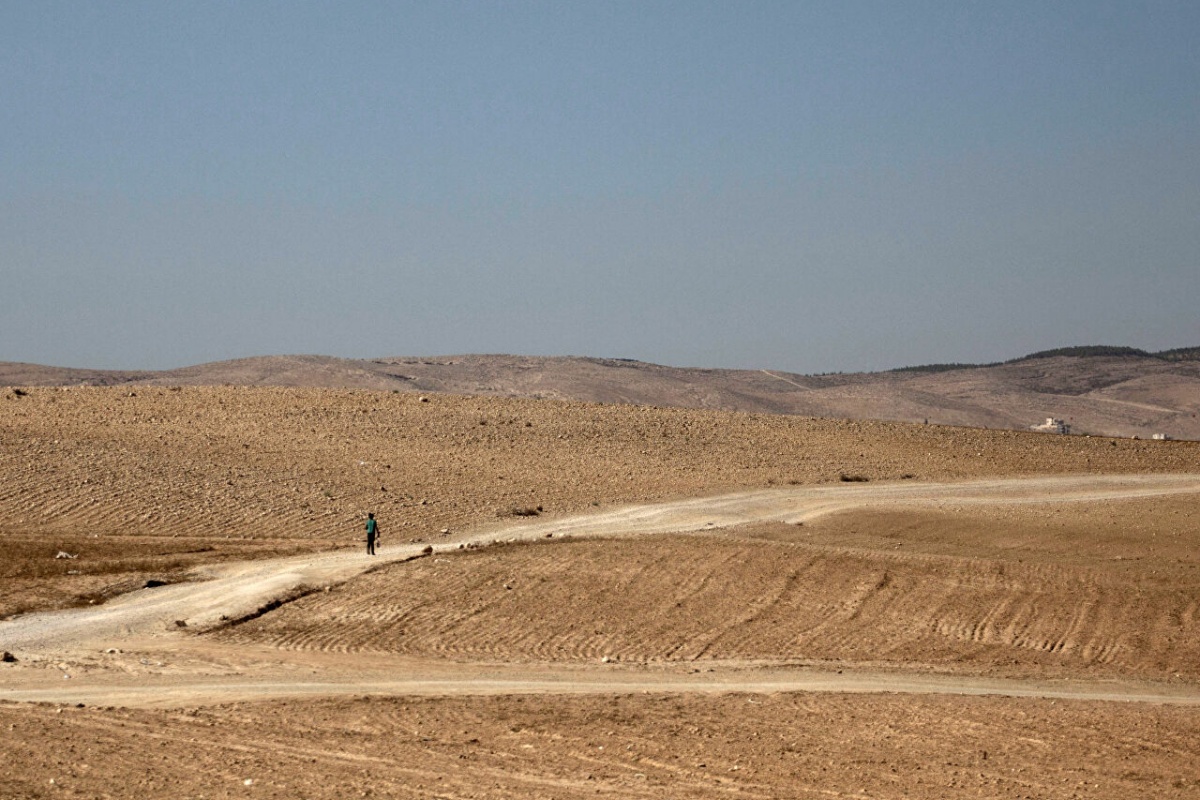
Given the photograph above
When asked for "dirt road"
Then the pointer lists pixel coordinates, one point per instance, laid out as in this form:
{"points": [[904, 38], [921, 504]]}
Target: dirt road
{"points": [[140, 649], [186, 681], [231, 591]]}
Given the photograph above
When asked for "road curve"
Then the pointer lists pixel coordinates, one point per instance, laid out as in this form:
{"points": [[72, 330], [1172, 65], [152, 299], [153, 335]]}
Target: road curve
{"points": [[233, 590]]}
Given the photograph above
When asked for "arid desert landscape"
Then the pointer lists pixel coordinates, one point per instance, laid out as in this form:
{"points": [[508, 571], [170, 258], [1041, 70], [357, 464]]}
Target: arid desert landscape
{"points": [[753, 401], [582, 599]]}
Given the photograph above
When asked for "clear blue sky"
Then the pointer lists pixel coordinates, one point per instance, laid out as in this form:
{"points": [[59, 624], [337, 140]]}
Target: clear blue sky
{"points": [[809, 186]]}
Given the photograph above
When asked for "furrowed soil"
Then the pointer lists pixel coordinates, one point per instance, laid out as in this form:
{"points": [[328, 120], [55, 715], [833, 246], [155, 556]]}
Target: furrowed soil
{"points": [[1110, 591], [1060, 592], [638, 746]]}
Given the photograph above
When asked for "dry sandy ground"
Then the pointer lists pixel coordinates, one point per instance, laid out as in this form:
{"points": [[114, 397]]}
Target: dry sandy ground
{"points": [[644, 746], [930, 642], [238, 470]]}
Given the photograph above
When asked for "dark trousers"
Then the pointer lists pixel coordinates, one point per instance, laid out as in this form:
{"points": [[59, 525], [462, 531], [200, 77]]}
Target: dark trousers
{"points": [[370, 545]]}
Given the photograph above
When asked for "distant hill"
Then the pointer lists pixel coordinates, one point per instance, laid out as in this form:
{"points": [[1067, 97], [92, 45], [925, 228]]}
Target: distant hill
{"points": [[1090, 351], [1108, 391]]}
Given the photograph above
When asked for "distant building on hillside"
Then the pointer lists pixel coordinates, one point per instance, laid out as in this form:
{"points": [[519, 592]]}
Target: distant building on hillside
{"points": [[1162, 437], [1053, 425]]}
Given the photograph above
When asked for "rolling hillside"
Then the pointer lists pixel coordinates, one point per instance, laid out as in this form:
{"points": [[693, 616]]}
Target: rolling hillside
{"points": [[1118, 392]]}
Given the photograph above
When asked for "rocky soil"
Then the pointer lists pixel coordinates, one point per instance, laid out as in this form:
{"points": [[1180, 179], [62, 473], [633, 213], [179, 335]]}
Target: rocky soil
{"points": [[151, 482]]}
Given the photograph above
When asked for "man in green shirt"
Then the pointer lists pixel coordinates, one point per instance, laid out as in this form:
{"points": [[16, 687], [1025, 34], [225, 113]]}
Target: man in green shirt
{"points": [[372, 534]]}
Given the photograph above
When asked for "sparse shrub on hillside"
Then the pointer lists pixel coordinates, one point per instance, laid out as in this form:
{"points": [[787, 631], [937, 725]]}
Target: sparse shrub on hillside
{"points": [[1180, 354], [940, 367], [1089, 351], [844, 478], [526, 512]]}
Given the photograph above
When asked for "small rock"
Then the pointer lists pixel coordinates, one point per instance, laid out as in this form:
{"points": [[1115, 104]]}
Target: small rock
{"points": [[65, 554], [427, 549], [180, 623], [8, 658]]}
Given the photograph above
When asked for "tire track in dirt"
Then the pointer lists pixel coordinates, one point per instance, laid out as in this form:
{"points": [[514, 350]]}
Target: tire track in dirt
{"points": [[495, 680]]}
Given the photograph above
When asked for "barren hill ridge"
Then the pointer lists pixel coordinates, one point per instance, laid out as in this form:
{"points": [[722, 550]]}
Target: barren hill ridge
{"points": [[1107, 391]]}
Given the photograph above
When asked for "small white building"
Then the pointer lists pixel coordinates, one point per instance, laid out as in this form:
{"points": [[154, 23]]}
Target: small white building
{"points": [[1053, 425], [1162, 437]]}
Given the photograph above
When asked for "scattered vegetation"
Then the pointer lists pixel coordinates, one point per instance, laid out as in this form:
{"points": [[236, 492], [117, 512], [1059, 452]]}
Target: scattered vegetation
{"points": [[940, 367], [1086, 351], [1180, 354], [527, 512], [1089, 351], [27, 557]]}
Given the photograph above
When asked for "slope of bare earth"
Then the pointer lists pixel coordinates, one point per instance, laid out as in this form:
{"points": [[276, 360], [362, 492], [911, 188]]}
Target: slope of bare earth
{"points": [[140, 481], [635, 746], [1108, 395], [212, 465], [1099, 591]]}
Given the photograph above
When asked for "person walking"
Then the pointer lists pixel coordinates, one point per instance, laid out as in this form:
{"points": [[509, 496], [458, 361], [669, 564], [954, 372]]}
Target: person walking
{"points": [[372, 534]]}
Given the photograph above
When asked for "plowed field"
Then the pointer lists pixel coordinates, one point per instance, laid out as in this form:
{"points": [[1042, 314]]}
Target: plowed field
{"points": [[767, 746], [957, 591], [805, 637]]}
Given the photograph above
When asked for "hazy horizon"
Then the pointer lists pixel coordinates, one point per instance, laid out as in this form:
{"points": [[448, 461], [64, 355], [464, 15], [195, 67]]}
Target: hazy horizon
{"points": [[814, 188], [378, 357]]}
